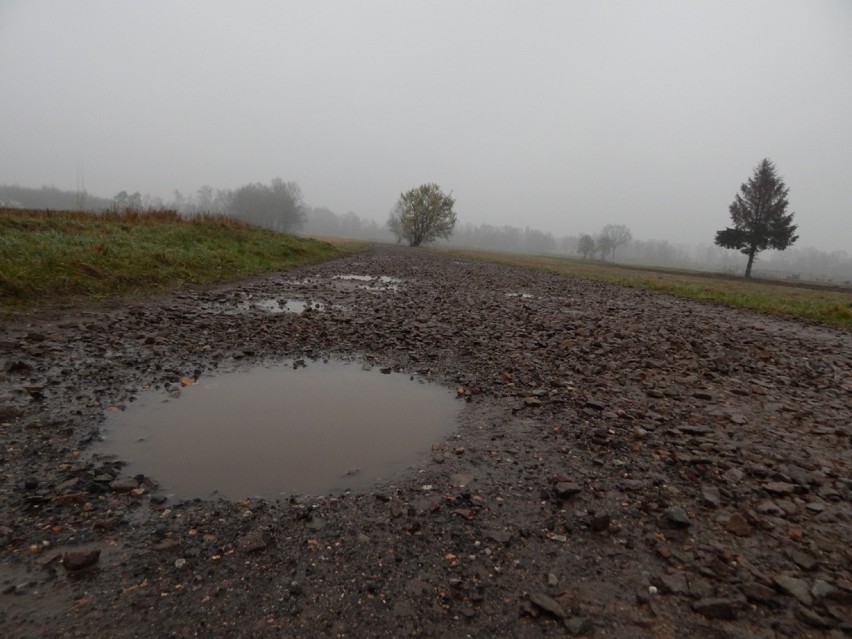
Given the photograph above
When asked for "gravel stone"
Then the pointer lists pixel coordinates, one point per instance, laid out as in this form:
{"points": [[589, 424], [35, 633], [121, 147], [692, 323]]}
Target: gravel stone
{"points": [[667, 412]]}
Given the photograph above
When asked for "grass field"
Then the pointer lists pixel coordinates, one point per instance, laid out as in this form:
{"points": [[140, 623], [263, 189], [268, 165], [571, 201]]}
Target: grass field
{"points": [[64, 255], [55, 256], [832, 305]]}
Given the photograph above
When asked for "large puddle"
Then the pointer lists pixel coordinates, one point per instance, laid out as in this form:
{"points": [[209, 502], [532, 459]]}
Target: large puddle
{"points": [[267, 432]]}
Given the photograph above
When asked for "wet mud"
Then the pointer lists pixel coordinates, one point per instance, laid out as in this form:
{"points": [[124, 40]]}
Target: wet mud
{"points": [[626, 464]]}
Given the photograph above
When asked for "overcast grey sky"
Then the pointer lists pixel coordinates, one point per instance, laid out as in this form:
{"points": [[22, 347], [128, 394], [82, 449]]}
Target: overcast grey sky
{"points": [[562, 116]]}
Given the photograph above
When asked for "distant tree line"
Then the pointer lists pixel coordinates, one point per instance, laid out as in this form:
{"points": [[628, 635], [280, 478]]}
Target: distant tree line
{"points": [[325, 222], [806, 264], [50, 197], [507, 238], [278, 205]]}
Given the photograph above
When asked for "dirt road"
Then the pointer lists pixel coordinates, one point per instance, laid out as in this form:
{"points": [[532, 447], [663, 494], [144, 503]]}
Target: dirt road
{"points": [[626, 465]]}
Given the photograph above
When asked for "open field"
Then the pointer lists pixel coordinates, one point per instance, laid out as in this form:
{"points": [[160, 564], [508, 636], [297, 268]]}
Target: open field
{"points": [[832, 305], [63, 254]]}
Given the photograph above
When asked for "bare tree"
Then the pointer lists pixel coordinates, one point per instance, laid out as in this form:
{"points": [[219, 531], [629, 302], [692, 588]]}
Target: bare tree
{"points": [[617, 235]]}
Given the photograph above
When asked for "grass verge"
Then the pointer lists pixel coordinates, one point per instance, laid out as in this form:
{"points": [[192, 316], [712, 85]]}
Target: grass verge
{"points": [[61, 255], [830, 305]]}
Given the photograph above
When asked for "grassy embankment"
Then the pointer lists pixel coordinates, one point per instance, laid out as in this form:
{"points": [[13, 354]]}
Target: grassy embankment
{"points": [[831, 305], [62, 255]]}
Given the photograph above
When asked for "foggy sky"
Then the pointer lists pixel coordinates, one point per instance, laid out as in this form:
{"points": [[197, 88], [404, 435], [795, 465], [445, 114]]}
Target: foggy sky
{"points": [[561, 116]]}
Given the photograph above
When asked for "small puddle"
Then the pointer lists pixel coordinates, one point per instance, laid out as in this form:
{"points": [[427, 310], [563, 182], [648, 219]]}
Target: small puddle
{"points": [[285, 430], [271, 305], [356, 278], [287, 306], [370, 282]]}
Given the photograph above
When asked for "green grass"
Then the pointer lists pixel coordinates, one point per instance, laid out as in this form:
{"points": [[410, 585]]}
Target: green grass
{"points": [[51, 256], [55, 256], [831, 305]]}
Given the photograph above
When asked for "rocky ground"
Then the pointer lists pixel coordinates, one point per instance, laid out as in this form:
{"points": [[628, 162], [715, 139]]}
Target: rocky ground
{"points": [[626, 464]]}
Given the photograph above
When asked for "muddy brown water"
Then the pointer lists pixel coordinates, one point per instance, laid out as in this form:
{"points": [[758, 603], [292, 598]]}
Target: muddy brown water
{"points": [[283, 430]]}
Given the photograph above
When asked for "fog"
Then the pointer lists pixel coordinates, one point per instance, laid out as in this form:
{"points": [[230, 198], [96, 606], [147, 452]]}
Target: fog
{"points": [[559, 116]]}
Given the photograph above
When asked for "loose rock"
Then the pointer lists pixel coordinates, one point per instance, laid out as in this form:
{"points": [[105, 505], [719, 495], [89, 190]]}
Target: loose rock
{"points": [[74, 560], [798, 588], [611, 374], [716, 608], [548, 604], [677, 516], [738, 525]]}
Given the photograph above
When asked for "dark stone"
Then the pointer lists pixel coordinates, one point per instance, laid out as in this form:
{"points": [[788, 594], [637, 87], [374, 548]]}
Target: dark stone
{"points": [[711, 497], [760, 594], [578, 626], [738, 525], [677, 516], [124, 484], [567, 488], [798, 588], [811, 618], [80, 559], [694, 430], [733, 475], [716, 608], [632, 485], [674, 584], [548, 604], [500, 536], [769, 507], [599, 523], [803, 560], [700, 588], [822, 589], [779, 488], [251, 542]]}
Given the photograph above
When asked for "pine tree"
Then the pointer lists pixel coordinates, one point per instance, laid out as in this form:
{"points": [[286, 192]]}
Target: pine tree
{"points": [[759, 214]]}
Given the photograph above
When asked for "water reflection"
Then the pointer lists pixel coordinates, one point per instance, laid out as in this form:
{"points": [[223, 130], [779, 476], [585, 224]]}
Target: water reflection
{"points": [[284, 430]]}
